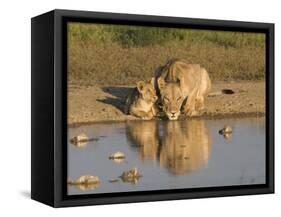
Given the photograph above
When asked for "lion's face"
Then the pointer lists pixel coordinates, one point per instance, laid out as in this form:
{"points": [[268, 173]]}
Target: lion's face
{"points": [[171, 97], [147, 91]]}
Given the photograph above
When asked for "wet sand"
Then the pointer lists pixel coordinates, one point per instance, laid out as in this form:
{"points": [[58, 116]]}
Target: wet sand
{"points": [[88, 104]]}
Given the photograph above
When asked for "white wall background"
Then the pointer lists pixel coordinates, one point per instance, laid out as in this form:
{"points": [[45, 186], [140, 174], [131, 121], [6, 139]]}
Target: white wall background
{"points": [[15, 106]]}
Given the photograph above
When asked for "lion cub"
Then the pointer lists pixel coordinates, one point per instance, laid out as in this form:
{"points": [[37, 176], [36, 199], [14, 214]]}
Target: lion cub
{"points": [[141, 102]]}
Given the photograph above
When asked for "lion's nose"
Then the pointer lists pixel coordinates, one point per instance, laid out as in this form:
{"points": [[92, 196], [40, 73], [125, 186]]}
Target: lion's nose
{"points": [[173, 113]]}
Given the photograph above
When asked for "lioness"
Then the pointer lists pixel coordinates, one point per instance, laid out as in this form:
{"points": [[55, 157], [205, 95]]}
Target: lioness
{"points": [[181, 85], [141, 102]]}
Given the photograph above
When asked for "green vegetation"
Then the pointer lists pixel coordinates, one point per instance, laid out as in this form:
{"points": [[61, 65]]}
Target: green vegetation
{"points": [[116, 54]]}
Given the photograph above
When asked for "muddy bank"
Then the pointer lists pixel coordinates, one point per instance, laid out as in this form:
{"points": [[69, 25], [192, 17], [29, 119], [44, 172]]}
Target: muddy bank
{"points": [[105, 103]]}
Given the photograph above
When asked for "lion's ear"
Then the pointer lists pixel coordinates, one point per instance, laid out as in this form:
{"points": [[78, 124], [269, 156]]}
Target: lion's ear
{"points": [[152, 81], [140, 86], [161, 83]]}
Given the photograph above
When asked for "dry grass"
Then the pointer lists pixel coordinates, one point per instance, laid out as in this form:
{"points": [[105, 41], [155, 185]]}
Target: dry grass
{"points": [[96, 57]]}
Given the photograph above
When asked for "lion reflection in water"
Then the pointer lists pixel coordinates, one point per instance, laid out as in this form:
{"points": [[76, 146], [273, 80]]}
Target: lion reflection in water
{"points": [[179, 146], [144, 135]]}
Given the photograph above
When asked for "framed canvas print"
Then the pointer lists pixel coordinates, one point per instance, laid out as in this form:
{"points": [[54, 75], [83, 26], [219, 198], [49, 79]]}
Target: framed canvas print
{"points": [[131, 108]]}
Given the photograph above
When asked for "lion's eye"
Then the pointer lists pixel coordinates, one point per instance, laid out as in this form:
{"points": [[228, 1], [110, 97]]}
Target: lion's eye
{"points": [[178, 99], [166, 99]]}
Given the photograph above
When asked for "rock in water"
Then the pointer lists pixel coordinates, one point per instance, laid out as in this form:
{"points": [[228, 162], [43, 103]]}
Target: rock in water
{"points": [[88, 179], [131, 176], [70, 181], [87, 182], [227, 135], [80, 140], [226, 131], [117, 157]]}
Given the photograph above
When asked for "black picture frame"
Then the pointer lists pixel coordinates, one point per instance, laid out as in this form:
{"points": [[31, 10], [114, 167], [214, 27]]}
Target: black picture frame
{"points": [[49, 110]]}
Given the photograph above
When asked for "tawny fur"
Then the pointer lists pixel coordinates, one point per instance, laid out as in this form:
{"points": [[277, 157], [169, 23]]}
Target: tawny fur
{"points": [[182, 86], [141, 102]]}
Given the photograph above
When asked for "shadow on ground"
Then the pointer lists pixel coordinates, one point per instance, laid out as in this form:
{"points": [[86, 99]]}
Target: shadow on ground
{"points": [[118, 96], [25, 194]]}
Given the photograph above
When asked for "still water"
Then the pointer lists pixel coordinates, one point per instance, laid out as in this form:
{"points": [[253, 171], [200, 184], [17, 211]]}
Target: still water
{"points": [[169, 154]]}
